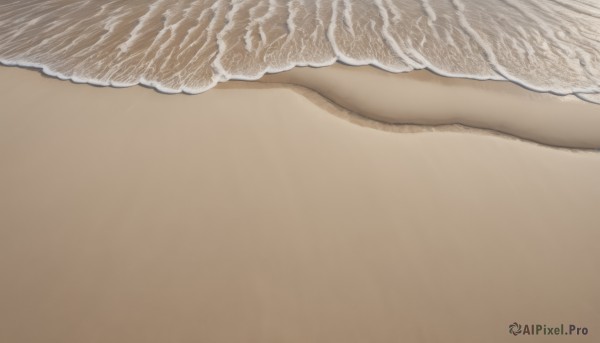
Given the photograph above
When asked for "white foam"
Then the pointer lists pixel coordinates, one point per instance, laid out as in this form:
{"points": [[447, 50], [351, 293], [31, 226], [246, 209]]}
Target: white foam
{"points": [[133, 36], [189, 49]]}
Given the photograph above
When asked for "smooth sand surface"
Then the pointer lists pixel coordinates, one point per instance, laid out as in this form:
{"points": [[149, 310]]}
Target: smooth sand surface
{"points": [[254, 215], [421, 97]]}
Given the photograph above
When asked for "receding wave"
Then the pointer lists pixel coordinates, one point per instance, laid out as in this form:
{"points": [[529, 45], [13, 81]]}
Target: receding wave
{"points": [[191, 45]]}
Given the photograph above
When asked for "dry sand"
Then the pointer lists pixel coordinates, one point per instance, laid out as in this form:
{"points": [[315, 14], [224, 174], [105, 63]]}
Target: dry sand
{"points": [[248, 214]]}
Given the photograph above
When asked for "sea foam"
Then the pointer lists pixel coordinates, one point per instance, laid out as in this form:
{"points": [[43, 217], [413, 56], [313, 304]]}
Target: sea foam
{"points": [[191, 45]]}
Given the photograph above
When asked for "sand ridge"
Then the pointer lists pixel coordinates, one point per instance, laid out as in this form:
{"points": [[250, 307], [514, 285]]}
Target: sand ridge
{"points": [[423, 98]]}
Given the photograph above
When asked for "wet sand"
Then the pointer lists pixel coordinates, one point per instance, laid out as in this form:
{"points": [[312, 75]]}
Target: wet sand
{"points": [[254, 214], [423, 98]]}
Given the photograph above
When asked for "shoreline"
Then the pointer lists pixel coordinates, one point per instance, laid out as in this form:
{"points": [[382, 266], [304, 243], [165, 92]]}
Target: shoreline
{"points": [[424, 98], [422, 101]]}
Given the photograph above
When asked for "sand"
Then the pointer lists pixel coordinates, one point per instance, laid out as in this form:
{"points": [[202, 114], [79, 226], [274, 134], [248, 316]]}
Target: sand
{"points": [[423, 98], [255, 214]]}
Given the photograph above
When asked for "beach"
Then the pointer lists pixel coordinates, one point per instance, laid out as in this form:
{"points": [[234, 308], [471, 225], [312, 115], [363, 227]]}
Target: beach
{"points": [[315, 205]]}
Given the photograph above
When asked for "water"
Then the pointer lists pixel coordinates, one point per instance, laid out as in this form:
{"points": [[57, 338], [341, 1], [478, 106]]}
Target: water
{"points": [[191, 45]]}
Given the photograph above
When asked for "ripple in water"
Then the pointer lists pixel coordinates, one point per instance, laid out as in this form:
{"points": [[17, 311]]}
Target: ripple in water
{"points": [[190, 45]]}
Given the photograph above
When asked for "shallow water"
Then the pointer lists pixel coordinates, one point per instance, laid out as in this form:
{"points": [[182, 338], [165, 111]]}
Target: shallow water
{"points": [[190, 45]]}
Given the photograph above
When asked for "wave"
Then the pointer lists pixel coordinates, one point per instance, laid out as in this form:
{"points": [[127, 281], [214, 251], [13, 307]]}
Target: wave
{"points": [[191, 45]]}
